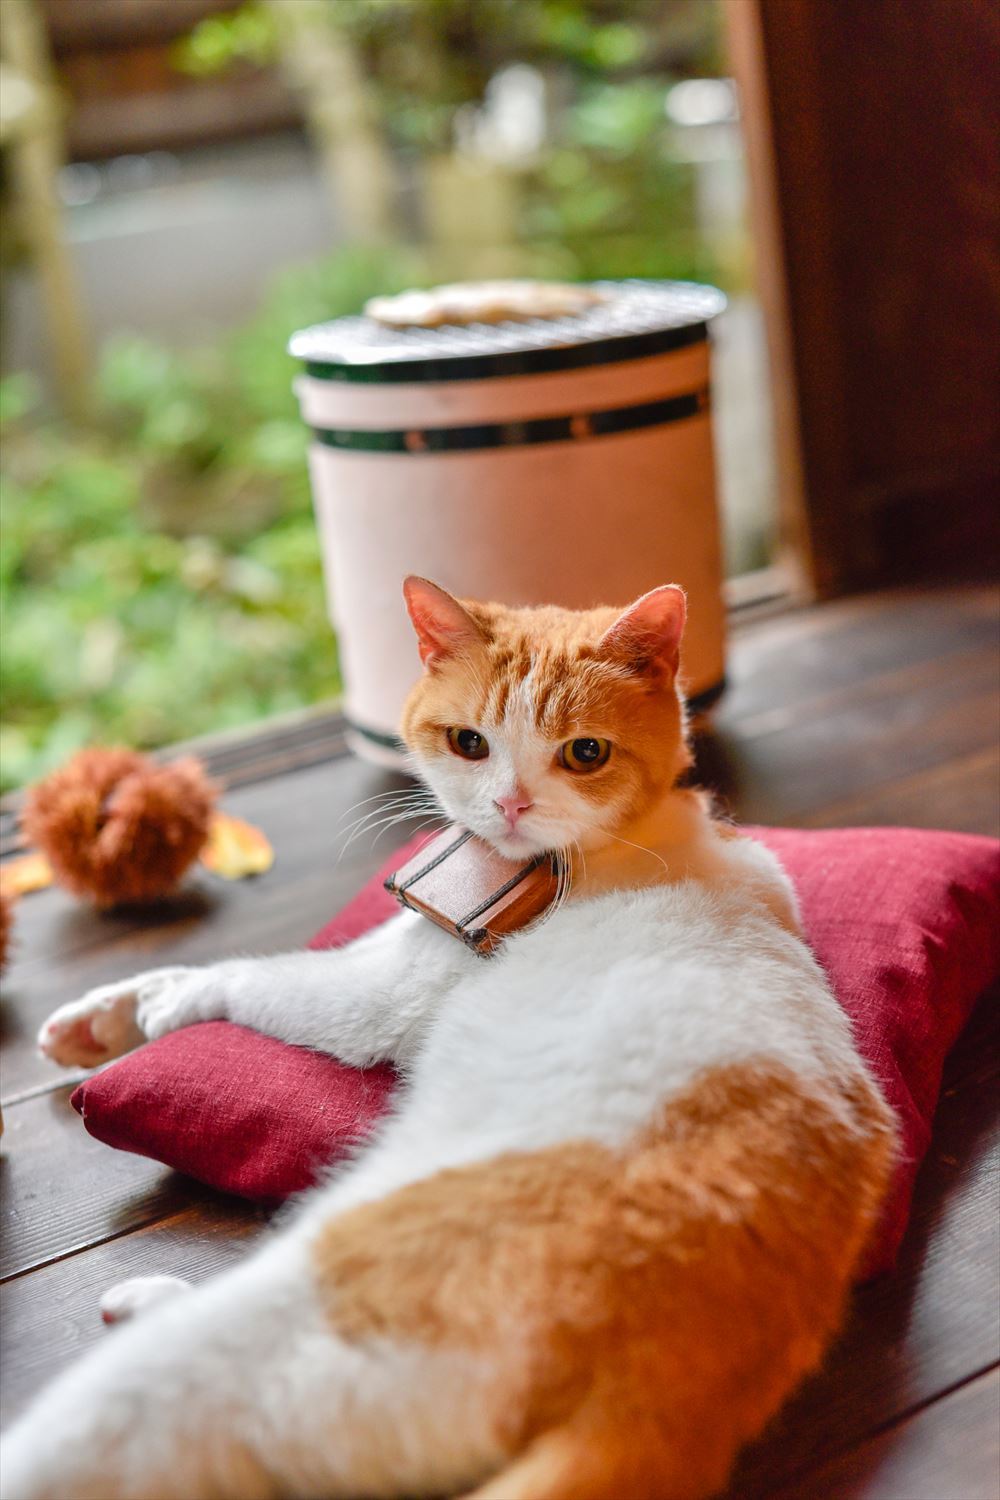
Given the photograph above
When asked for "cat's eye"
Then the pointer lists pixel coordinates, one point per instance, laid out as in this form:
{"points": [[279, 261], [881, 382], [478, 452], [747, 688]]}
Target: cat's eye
{"points": [[468, 743], [584, 754]]}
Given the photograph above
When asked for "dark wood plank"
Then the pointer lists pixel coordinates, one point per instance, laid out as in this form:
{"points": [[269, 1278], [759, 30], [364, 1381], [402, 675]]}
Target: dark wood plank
{"points": [[948, 1451], [930, 1325], [50, 1316], [963, 795], [61, 1190], [810, 653], [849, 700], [784, 776], [254, 754]]}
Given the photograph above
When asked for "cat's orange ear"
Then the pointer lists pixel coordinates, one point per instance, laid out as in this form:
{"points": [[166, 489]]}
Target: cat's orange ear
{"points": [[443, 626], [647, 637]]}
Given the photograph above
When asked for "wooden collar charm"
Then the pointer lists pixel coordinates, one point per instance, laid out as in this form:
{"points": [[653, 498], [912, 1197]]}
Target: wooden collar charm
{"points": [[470, 890]]}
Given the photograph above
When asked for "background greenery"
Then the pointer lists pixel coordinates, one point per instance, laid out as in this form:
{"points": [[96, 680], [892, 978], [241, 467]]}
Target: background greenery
{"points": [[160, 569]]}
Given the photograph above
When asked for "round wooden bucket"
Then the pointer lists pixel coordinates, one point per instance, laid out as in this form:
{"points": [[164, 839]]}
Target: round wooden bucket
{"points": [[564, 461]]}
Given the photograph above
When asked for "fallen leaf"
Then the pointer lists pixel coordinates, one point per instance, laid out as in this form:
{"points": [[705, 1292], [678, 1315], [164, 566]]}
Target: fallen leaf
{"points": [[28, 872], [236, 849]]}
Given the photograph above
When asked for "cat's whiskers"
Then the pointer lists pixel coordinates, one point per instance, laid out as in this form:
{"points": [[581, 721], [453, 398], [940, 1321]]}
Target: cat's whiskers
{"points": [[401, 807], [417, 803], [434, 817], [401, 810], [389, 795], [401, 818], [567, 878], [384, 802], [575, 844], [564, 881]]}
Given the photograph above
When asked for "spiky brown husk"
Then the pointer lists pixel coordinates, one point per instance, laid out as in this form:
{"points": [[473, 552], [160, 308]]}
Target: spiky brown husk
{"points": [[117, 827]]}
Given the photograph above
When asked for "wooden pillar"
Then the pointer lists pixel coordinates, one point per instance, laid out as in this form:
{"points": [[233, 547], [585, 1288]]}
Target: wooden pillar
{"points": [[872, 130]]}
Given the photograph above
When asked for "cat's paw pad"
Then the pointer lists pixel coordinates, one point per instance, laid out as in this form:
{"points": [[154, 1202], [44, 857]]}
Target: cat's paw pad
{"points": [[92, 1030], [127, 1298], [69, 1040], [100, 1026]]}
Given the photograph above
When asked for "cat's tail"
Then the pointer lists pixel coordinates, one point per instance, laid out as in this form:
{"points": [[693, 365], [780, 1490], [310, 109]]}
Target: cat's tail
{"points": [[553, 1468], [579, 1461]]}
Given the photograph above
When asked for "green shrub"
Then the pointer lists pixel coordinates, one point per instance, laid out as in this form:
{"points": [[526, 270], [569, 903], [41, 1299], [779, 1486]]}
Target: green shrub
{"points": [[160, 571]]}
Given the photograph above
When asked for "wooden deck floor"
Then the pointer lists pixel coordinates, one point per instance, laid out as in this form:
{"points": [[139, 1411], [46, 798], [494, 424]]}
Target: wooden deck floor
{"points": [[877, 710]]}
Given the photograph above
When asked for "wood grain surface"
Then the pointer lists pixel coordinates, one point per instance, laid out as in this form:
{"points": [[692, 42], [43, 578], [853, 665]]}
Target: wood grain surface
{"points": [[877, 710]]}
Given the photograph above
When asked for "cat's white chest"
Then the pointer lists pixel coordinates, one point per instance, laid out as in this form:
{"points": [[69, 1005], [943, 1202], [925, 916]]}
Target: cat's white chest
{"points": [[587, 1021], [584, 1027]]}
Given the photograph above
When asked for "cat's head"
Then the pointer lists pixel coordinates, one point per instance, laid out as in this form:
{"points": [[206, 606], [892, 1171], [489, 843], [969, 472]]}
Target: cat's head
{"points": [[536, 728]]}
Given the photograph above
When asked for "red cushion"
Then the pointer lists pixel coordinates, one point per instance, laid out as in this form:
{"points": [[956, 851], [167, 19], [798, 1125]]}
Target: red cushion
{"points": [[905, 922]]}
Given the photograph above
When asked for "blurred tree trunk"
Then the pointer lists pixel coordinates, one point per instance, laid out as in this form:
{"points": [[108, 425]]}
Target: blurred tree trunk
{"points": [[323, 66], [31, 136]]}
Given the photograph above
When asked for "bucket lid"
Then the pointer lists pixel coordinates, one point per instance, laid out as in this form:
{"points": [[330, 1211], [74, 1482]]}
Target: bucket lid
{"points": [[633, 319]]}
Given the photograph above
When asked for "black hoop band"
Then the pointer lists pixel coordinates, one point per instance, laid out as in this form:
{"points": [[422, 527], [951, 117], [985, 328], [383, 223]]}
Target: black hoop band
{"points": [[574, 428]]}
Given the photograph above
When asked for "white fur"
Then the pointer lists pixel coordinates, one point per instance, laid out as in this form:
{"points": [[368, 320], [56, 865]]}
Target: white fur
{"points": [[581, 1027], [546, 1043], [128, 1298], [240, 1389], [366, 1002]]}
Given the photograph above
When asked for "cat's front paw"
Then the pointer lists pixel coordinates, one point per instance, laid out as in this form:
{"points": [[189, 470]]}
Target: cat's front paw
{"points": [[171, 998], [104, 1023]]}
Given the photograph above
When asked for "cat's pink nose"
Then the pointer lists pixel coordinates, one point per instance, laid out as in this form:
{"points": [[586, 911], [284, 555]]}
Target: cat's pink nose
{"points": [[513, 807]]}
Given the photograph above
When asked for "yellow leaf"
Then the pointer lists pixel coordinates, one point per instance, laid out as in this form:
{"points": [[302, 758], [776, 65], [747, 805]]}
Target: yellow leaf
{"points": [[29, 872], [236, 849]]}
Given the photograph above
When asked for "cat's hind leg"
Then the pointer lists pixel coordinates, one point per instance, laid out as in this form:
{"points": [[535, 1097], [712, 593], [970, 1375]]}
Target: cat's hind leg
{"points": [[244, 1389], [628, 1456]]}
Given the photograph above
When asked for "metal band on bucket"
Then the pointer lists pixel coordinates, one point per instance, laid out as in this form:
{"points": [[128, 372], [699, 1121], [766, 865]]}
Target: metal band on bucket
{"points": [[573, 428], [515, 361]]}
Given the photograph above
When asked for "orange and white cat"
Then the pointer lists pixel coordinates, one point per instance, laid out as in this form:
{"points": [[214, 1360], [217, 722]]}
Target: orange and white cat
{"points": [[615, 1215]]}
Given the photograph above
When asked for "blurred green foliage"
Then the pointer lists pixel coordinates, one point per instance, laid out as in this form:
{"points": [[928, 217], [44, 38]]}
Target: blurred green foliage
{"points": [[160, 571], [604, 191], [427, 57]]}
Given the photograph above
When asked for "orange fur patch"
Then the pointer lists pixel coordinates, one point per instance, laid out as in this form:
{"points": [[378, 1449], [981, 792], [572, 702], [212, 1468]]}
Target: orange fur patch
{"points": [[648, 1309], [575, 690]]}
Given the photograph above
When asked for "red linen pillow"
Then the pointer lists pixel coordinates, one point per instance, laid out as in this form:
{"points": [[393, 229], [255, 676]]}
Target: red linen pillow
{"points": [[905, 922]]}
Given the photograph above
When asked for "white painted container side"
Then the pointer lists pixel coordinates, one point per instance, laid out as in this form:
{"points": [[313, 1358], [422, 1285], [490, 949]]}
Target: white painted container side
{"points": [[576, 486]]}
